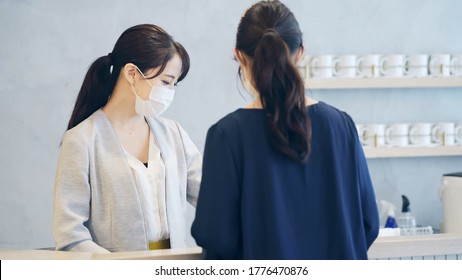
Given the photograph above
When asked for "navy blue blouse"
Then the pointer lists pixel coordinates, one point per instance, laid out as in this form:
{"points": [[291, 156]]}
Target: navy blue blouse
{"points": [[256, 203]]}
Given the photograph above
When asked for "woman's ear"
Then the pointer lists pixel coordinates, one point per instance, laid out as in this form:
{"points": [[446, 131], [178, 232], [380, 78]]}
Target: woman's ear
{"points": [[130, 72], [240, 57], [299, 56]]}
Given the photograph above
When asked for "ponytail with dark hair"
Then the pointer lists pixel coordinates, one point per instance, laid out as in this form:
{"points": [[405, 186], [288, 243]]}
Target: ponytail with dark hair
{"points": [[147, 46], [269, 34], [95, 91]]}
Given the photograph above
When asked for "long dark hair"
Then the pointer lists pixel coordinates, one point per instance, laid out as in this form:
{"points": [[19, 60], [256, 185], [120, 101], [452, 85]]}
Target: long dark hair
{"points": [[269, 34], [147, 46]]}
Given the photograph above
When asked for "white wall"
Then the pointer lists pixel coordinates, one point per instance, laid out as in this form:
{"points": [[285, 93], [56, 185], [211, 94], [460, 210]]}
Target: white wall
{"points": [[47, 46]]}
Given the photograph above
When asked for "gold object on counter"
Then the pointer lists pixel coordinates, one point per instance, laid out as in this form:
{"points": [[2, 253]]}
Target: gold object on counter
{"points": [[163, 244]]}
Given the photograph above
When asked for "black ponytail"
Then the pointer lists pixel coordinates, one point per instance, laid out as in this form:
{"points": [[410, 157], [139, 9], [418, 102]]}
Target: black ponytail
{"points": [[269, 34], [147, 46], [95, 91]]}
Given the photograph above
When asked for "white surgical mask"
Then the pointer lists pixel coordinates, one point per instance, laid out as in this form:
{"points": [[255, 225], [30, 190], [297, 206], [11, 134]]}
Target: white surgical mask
{"points": [[159, 100]]}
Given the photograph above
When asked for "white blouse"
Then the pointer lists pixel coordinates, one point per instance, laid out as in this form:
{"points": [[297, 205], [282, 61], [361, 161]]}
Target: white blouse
{"points": [[150, 183]]}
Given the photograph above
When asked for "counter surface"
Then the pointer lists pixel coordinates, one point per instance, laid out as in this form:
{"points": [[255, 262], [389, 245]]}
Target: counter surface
{"points": [[436, 246]]}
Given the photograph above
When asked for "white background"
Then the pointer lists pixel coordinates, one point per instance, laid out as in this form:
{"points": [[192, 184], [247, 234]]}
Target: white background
{"points": [[317, 270]]}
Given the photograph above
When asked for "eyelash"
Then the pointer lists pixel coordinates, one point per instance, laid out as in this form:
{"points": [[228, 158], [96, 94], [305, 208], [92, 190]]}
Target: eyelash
{"points": [[167, 83]]}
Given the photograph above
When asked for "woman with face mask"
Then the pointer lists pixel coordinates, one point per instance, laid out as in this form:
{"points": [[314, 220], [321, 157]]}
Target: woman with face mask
{"points": [[124, 173], [286, 177]]}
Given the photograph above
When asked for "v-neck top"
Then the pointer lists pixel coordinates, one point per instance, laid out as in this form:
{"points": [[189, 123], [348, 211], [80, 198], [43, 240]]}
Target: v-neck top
{"points": [[150, 182], [257, 203]]}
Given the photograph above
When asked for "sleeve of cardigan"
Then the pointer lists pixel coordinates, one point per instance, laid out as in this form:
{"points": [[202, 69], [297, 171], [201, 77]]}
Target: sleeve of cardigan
{"points": [[194, 166], [369, 205], [217, 227], [72, 197]]}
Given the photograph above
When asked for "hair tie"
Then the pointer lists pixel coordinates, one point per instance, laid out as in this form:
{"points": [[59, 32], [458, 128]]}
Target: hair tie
{"points": [[271, 30]]}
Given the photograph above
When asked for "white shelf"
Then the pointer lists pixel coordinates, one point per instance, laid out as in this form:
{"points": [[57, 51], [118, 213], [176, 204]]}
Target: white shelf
{"points": [[403, 82], [395, 152], [432, 247]]}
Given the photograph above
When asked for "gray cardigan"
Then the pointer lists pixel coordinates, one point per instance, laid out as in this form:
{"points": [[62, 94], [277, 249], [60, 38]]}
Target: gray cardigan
{"points": [[96, 202]]}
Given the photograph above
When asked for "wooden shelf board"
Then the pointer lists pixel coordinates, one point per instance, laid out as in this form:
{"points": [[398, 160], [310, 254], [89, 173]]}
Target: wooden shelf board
{"points": [[395, 152], [403, 82]]}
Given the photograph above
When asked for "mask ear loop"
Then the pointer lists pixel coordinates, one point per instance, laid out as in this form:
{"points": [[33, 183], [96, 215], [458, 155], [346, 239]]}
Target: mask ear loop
{"points": [[134, 91], [143, 76]]}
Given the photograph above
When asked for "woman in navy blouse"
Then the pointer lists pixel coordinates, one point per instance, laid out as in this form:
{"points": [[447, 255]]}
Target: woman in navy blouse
{"points": [[285, 177]]}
